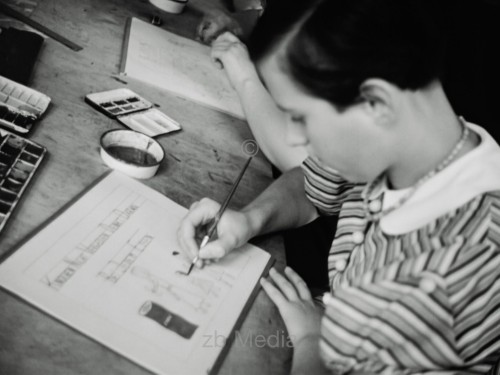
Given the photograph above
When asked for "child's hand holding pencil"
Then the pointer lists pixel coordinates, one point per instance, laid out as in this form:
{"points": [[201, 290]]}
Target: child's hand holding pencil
{"points": [[209, 231]]}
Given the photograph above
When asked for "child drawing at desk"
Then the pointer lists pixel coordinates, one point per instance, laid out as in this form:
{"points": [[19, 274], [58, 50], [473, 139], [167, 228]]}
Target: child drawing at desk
{"points": [[414, 267], [268, 124]]}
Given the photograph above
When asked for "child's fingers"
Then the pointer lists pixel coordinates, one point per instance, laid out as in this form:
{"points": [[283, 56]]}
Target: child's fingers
{"points": [[187, 241], [207, 31], [284, 285], [200, 213], [223, 50], [221, 45], [273, 293], [217, 54], [228, 36], [221, 40], [213, 250], [299, 284], [216, 249], [218, 64], [200, 30]]}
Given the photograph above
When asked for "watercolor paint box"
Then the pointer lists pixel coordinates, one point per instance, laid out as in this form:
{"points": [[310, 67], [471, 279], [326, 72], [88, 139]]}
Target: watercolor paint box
{"points": [[20, 106], [133, 111], [19, 160]]}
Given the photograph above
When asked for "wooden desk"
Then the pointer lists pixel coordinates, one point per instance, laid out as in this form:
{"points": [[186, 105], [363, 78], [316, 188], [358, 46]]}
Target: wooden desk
{"points": [[202, 160]]}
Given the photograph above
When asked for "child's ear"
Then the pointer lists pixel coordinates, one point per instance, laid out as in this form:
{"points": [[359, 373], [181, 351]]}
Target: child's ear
{"points": [[380, 98]]}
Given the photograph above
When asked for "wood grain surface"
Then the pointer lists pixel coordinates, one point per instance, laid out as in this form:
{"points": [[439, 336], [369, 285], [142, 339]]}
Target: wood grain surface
{"points": [[202, 160]]}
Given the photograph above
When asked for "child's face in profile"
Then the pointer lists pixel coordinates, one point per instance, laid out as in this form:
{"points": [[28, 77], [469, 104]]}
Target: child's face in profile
{"points": [[348, 141]]}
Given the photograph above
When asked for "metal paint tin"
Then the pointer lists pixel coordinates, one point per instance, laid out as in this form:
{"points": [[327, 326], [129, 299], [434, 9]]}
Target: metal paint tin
{"points": [[170, 6], [131, 152]]}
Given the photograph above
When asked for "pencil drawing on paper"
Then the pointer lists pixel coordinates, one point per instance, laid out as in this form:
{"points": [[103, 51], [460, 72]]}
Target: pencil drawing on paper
{"points": [[197, 292], [80, 254], [167, 319], [124, 258], [181, 294], [107, 266]]}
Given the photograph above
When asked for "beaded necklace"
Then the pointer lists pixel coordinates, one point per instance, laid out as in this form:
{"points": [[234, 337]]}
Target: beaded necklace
{"points": [[376, 216]]}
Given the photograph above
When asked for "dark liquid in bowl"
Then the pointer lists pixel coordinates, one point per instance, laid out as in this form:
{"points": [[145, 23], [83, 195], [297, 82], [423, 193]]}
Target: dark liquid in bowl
{"points": [[132, 155]]}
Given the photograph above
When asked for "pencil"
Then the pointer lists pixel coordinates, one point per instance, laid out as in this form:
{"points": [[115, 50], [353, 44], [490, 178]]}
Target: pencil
{"points": [[213, 226]]}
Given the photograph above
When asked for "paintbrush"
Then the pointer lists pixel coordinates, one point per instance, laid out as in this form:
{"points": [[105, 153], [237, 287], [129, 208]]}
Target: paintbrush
{"points": [[213, 225]]}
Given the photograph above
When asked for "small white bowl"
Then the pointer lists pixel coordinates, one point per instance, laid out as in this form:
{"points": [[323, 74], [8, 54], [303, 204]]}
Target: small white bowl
{"points": [[170, 6], [131, 152]]}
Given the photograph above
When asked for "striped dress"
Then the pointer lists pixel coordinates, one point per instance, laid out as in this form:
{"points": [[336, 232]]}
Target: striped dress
{"points": [[417, 292]]}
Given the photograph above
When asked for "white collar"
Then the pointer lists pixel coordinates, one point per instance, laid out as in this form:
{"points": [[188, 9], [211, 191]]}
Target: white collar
{"points": [[473, 174]]}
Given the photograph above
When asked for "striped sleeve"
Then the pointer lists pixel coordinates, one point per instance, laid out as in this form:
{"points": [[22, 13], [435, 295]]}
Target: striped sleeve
{"points": [[436, 312], [324, 187], [473, 285]]}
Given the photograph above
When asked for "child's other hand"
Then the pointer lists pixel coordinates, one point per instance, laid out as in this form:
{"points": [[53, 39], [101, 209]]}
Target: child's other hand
{"points": [[293, 299], [215, 23], [229, 53]]}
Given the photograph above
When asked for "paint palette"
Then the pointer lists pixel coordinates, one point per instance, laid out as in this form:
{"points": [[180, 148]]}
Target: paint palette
{"points": [[119, 102], [133, 111], [19, 160], [20, 106]]}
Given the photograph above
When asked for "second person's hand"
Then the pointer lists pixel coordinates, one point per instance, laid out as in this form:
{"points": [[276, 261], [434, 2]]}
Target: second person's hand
{"points": [[230, 54], [214, 23]]}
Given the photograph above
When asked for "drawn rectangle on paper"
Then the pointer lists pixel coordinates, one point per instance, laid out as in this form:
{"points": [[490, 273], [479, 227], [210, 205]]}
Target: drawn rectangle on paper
{"points": [[107, 267], [177, 64]]}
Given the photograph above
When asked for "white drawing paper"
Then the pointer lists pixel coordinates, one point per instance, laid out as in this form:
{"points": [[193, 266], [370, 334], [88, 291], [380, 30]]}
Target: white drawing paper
{"points": [[177, 64], [109, 267]]}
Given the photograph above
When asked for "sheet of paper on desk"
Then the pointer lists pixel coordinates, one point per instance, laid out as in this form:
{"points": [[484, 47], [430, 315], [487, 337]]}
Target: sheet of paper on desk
{"points": [[107, 267], [177, 64]]}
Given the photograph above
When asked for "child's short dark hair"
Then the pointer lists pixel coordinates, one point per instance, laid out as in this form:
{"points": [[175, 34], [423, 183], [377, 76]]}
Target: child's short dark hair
{"points": [[344, 42]]}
